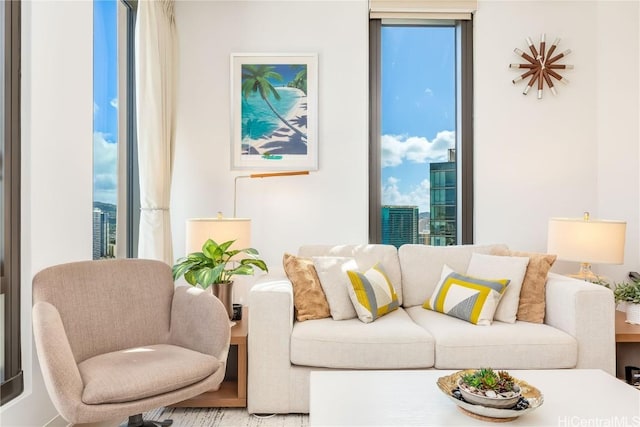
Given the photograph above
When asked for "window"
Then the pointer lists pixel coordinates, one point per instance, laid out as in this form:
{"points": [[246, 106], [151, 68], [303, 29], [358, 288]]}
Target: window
{"points": [[115, 194], [10, 349], [421, 132]]}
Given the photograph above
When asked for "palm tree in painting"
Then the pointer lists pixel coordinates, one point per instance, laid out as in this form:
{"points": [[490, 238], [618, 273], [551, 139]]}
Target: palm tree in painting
{"points": [[300, 80], [255, 78]]}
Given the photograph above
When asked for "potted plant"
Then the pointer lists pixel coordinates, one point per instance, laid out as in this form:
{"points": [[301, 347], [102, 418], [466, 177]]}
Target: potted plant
{"points": [[628, 293], [489, 388], [215, 266]]}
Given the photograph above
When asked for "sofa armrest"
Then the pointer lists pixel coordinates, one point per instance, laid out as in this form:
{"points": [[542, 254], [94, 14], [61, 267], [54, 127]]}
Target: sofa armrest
{"points": [[587, 312], [57, 362], [269, 338], [199, 322]]}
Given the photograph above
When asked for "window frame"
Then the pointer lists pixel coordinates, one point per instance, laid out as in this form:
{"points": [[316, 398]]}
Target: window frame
{"points": [[13, 384], [132, 181], [464, 131]]}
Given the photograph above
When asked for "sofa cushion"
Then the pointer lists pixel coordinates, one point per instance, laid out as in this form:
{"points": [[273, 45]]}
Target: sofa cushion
{"points": [[512, 268], [468, 298], [372, 293], [332, 271], [393, 341], [531, 307], [520, 345], [123, 376], [421, 266], [309, 299], [366, 256]]}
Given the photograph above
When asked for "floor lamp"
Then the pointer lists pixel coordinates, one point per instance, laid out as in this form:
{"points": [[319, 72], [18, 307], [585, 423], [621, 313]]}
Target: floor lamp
{"points": [[587, 241]]}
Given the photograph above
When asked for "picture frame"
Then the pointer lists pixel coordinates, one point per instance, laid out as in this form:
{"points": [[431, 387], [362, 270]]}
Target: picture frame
{"points": [[274, 111]]}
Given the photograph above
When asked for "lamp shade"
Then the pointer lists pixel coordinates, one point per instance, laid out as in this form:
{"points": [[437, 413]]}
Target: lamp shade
{"points": [[591, 241], [220, 230]]}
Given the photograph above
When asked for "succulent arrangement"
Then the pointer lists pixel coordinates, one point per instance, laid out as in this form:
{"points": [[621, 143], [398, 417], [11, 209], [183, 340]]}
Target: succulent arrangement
{"points": [[489, 382]]}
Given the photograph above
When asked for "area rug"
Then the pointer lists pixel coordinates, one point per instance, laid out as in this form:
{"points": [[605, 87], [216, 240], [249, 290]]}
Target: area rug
{"points": [[224, 417]]}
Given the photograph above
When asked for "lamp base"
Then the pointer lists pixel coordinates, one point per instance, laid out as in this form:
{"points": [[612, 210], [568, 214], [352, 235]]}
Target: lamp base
{"points": [[587, 274]]}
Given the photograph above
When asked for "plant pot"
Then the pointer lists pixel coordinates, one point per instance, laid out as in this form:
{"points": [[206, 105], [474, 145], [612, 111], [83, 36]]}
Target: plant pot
{"points": [[224, 292], [633, 313]]}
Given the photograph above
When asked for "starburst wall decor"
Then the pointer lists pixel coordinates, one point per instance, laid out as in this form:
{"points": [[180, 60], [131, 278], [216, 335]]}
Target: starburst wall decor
{"points": [[542, 67]]}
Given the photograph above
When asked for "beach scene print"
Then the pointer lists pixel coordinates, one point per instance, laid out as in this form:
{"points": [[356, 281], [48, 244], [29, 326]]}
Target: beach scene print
{"points": [[274, 110]]}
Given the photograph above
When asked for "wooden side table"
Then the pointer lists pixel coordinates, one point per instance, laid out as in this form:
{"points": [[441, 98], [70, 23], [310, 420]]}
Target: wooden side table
{"points": [[233, 390], [627, 344]]}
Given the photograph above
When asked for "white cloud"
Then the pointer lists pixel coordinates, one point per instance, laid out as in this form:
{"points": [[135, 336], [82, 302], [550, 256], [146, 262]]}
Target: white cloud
{"points": [[114, 103], [416, 149], [428, 91], [105, 169], [416, 196], [95, 108]]}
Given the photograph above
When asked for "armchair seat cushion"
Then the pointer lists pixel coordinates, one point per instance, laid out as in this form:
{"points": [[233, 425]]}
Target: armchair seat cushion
{"points": [[141, 372]]}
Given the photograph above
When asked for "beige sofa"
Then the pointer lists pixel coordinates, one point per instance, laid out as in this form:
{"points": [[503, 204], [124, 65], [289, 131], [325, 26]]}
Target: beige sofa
{"points": [[578, 331]]}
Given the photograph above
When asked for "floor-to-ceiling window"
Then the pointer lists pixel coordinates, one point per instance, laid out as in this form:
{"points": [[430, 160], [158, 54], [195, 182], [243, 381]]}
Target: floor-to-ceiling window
{"points": [[105, 127], [421, 138], [114, 145], [10, 346]]}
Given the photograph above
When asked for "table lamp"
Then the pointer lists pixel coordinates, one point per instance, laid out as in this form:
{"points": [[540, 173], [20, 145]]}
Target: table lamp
{"points": [[587, 241], [219, 229]]}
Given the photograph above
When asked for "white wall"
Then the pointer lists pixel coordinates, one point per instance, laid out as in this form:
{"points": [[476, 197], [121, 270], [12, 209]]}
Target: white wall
{"points": [[57, 106], [563, 155], [535, 159], [329, 205]]}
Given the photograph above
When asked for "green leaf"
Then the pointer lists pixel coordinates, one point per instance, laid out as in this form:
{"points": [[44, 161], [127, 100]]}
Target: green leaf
{"points": [[243, 270], [190, 277], [255, 262]]}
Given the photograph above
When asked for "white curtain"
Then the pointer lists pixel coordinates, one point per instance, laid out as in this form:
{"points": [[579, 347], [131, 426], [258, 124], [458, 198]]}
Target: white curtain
{"points": [[155, 92]]}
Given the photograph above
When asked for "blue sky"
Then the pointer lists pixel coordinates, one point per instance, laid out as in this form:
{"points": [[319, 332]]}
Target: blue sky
{"points": [[418, 109], [105, 100]]}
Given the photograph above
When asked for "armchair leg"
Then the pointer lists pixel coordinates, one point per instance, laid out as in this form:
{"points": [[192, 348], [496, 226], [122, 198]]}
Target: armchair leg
{"points": [[137, 421]]}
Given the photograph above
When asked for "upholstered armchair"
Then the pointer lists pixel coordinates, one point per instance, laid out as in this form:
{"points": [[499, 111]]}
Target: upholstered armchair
{"points": [[116, 338]]}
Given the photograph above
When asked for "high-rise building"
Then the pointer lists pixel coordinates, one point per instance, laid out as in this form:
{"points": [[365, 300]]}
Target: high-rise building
{"points": [[444, 217], [399, 225], [100, 233]]}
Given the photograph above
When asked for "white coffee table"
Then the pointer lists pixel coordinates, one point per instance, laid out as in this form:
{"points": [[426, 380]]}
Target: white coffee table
{"points": [[572, 397]]}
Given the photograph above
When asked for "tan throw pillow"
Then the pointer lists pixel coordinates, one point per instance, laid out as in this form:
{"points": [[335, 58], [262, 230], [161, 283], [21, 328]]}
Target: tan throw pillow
{"points": [[532, 295], [309, 299]]}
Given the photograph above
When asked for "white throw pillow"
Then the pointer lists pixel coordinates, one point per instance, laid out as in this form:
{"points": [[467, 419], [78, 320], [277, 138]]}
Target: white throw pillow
{"points": [[332, 272], [512, 268]]}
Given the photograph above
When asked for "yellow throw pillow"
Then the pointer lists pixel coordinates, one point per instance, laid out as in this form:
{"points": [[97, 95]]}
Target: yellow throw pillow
{"points": [[372, 293], [468, 298], [309, 299]]}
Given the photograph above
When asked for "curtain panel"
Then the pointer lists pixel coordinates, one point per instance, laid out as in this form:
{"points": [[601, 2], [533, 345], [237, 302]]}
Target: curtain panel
{"points": [[155, 93]]}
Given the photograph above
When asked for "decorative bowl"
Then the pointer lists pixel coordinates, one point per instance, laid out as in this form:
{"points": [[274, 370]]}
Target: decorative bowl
{"points": [[529, 394], [499, 401]]}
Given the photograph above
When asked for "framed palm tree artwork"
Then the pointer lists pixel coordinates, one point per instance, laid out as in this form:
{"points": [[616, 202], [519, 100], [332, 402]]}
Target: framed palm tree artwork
{"points": [[274, 111]]}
